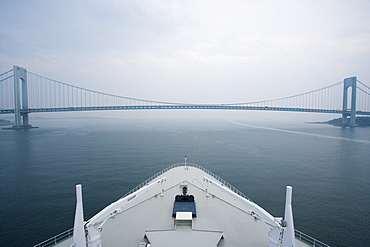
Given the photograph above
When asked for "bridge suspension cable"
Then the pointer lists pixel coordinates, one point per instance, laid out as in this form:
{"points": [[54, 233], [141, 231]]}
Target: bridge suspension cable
{"points": [[6, 75], [323, 98], [7, 90], [45, 92], [363, 97]]}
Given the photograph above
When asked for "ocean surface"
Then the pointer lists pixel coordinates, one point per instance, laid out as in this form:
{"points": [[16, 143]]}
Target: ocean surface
{"points": [[328, 167]]}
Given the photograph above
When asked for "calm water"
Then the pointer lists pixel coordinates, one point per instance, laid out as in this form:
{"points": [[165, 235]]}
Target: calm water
{"points": [[328, 167]]}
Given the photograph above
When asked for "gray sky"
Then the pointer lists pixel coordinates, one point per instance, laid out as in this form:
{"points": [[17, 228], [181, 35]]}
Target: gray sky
{"points": [[189, 51]]}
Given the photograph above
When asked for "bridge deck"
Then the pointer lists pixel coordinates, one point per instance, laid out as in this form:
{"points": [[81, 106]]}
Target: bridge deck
{"points": [[181, 106]]}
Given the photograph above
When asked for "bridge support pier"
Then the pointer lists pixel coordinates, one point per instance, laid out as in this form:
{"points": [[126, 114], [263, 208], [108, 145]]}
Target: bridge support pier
{"points": [[349, 83], [20, 99]]}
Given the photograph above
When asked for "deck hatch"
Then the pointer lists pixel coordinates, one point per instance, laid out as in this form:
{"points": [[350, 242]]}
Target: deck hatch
{"points": [[184, 203]]}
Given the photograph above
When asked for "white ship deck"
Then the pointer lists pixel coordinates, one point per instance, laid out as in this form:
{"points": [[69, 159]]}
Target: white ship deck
{"points": [[222, 219]]}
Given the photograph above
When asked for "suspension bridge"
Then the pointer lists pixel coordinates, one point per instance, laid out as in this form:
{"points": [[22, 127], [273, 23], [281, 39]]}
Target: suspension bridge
{"points": [[23, 92]]}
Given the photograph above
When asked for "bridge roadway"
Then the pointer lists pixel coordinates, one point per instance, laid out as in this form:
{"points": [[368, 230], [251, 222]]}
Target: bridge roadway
{"points": [[182, 106]]}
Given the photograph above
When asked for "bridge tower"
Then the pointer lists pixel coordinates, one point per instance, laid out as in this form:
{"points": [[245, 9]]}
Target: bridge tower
{"points": [[349, 83], [20, 98]]}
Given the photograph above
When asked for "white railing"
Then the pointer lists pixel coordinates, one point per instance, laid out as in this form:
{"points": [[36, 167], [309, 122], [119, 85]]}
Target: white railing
{"points": [[56, 239], [309, 240], [223, 182]]}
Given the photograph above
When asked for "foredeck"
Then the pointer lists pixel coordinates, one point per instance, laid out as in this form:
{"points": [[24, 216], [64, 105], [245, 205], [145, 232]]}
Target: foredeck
{"points": [[145, 215], [214, 213]]}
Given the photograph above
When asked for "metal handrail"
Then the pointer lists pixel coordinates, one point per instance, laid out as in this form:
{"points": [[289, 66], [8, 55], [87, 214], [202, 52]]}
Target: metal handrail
{"points": [[223, 182], [308, 239], [56, 239]]}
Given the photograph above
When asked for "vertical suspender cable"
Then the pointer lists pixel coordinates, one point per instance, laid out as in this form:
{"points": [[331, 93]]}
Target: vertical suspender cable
{"points": [[2, 87]]}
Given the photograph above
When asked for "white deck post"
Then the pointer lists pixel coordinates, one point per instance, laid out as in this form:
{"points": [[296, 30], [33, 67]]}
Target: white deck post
{"points": [[79, 239], [289, 237]]}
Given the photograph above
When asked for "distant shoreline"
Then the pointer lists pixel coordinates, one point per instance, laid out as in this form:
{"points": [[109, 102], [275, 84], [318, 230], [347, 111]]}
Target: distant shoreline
{"points": [[4, 122], [360, 121]]}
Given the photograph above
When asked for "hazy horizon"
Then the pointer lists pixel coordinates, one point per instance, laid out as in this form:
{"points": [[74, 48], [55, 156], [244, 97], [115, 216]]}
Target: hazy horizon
{"points": [[190, 51]]}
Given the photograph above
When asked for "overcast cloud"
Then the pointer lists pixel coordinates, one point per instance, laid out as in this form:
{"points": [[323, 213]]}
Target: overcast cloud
{"points": [[189, 51]]}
